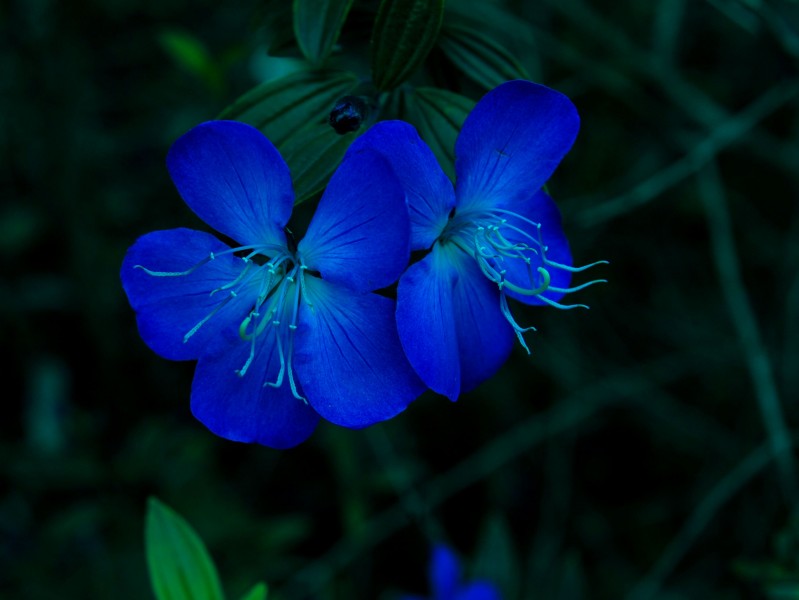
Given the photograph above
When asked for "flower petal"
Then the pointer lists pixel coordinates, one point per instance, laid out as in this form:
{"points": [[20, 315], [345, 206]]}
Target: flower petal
{"points": [[511, 143], [359, 235], [169, 307], [477, 591], [446, 294], [234, 179], [348, 356], [539, 209], [444, 572], [485, 338], [428, 191], [426, 322], [245, 409]]}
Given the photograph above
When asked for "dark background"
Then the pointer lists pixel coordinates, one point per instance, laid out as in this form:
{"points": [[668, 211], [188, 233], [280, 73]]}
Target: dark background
{"points": [[644, 450]]}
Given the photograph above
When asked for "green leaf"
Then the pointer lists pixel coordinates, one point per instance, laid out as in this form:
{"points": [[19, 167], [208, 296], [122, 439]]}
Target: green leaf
{"points": [[258, 592], [312, 154], [191, 55], [404, 33], [478, 56], [179, 564], [280, 107], [293, 113], [277, 31], [317, 25], [438, 115], [516, 36]]}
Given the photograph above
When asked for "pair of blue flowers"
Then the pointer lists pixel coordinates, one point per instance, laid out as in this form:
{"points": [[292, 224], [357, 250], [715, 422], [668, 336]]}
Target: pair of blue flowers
{"points": [[286, 332]]}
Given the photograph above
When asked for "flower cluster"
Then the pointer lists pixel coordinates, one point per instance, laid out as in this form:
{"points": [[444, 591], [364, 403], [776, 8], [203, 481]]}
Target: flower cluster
{"points": [[285, 332]]}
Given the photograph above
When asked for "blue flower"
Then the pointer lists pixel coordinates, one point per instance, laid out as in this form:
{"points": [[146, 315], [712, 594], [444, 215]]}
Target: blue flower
{"points": [[283, 332], [445, 580], [496, 235]]}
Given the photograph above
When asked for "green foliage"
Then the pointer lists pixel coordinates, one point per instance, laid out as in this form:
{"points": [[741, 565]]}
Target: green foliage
{"points": [[191, 55], [180, 566], [317, 25], [438, 115], [478, 56], [258, 592], [403, 35], [292, 112]]}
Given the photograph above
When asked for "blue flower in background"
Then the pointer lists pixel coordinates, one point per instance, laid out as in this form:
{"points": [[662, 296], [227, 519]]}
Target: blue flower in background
{"points": [[445, 580], [496, 235], [282, 332]]}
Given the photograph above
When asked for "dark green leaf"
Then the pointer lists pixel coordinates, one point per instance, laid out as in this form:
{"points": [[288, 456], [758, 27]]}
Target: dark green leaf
{"points": [[317, 25], [277, 32], [404, 33], [478, 56], [180, 566], [312, 154], [258, 592], [514, 34], [280, 107], [438, 115], [293, 113]]}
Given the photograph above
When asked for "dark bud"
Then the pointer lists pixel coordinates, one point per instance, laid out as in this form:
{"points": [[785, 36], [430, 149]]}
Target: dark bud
{"points": [[348, 114]]}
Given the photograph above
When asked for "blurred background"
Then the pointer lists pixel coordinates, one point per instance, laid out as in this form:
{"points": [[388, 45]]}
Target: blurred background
{"points": [[644, 450]]}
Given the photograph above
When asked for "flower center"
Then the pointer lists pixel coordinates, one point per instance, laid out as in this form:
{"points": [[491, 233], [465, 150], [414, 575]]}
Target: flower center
{"points": [[279, 284], [510, 251]]}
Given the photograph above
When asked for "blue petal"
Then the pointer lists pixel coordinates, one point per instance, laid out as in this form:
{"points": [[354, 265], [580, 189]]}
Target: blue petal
{"points": [[511, 143], [235, 180], [426, 322], [444, 572], [359, 235], [484, 337], [167, 308], [477, 591], [428, 191], [540, 209], [348, 356], [245, 409]]}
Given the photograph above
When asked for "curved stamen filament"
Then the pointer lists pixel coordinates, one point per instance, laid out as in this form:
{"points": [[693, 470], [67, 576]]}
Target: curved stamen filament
{"points": [[576, 288], [295, 305], [257, 249], [241, 281], [495, 238], [545, 279], [207, 317], [560, 306], [517, 329], [236, 281], [575, 269]]}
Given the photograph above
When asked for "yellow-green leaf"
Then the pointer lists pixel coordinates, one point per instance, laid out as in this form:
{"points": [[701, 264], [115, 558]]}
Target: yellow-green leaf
{"points": [[257, 592], [180, 566]]}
